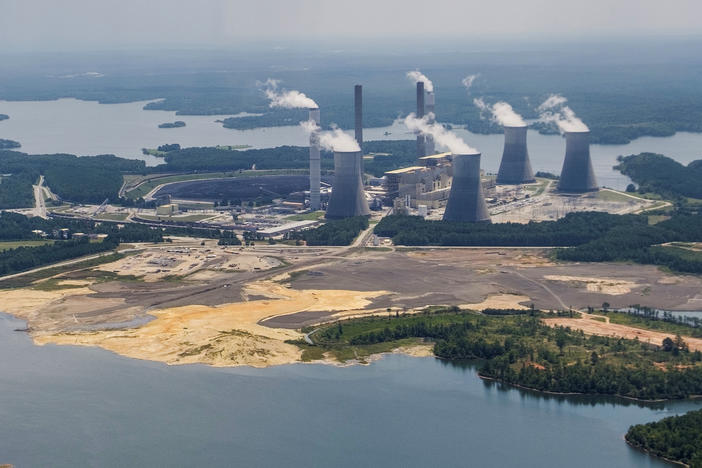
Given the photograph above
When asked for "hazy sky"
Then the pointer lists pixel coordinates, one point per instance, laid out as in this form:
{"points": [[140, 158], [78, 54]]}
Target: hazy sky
{"points": [[95, 24]]}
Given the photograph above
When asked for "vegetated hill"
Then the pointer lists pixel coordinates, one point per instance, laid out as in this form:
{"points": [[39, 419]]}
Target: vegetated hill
{"points": [[660, 174], [591, 236], [677, 438], [89, 179], [221, 159]]}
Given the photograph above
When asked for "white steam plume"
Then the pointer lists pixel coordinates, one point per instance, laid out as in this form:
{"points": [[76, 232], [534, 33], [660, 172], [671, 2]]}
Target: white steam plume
{"points": [[554, 110], [501, 112], [418, 76], [442, 136], [468, 81], [333, 140], [286, 99]]}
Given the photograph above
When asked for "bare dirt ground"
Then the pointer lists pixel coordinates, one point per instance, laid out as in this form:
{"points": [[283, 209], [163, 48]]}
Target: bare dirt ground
{"points": [[222, 315], [591, 326]]}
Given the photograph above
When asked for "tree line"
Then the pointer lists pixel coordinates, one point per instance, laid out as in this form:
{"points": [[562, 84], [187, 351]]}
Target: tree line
{"points": [[676, 438]]}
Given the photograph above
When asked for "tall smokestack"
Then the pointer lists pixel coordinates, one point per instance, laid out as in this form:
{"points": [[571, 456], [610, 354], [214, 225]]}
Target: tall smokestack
{"points": [[347, 197], [577, 174], [315, 162], [358, 107], [466, 202], [358, 118], [421, 150], [429, 109], [515, 167]]}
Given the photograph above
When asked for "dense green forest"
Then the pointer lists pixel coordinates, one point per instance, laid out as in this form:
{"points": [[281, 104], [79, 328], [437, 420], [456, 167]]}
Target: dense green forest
{"points": [[676, 438], [573, 229], [8, 144], [334, 232], [77, 179], [220, 159], [591, 236], [16, 190], [520, 349], [663, 175]]}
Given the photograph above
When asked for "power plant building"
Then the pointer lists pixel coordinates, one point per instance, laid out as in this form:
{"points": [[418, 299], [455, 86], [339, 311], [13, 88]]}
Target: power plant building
{"points": [[426, 184], [577, 174], [348, 197], [515, 167], [466, 202]]}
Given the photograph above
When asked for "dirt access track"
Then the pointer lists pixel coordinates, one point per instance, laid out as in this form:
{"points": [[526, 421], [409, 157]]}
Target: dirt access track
{"points": [[227, 306], [592, 326]]}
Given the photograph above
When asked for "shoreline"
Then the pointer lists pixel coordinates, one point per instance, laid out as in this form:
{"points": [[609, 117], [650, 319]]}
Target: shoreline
{"points": [[648, 452]]}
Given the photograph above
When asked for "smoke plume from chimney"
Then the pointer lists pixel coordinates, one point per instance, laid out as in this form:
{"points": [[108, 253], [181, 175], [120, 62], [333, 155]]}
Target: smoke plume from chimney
{"points": [[417, 76], [500, 112], [554, 110], [287, 99], [468, 81], [441, 135], [332, 140]]}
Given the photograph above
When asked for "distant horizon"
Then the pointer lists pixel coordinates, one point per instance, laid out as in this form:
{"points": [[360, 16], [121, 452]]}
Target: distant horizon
{"points": [[43, 25]]}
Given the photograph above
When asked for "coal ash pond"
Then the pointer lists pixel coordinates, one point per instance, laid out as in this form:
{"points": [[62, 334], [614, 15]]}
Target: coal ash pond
{"points": [[243, 188]]}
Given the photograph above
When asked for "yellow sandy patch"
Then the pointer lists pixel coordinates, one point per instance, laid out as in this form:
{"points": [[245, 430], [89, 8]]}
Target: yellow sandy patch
{"points": [[499, 301], [23, 302], [227, 335], [612, 287], [595, 327]]}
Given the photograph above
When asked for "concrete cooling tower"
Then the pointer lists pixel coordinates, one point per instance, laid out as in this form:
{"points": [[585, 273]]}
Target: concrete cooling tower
{"points": [[421, 150], [577, 174], [315, 163], [466, 202], [348, 197], [515, 167]]}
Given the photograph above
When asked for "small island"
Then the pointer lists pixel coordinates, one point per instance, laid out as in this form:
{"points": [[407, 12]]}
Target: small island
{"points": [[176, 124], [9, 144]]}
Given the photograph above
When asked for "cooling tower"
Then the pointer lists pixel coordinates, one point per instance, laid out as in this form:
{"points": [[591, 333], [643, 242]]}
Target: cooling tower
{"points": [[315, 163], [577, 174], [347, 198], [515, 167], [421, 151], [429, 148], [466, 202]]}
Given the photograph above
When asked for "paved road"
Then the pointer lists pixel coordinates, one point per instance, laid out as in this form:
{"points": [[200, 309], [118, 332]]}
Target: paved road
{"points": [[39, 204]]}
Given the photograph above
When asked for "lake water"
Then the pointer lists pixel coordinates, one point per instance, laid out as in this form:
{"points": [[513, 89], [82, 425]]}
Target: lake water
{"points": [[66, 406], [89, 128]]}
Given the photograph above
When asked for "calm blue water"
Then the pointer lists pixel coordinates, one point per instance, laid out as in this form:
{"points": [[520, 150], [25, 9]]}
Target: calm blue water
{"points": [[70, 406], [90, 128]]}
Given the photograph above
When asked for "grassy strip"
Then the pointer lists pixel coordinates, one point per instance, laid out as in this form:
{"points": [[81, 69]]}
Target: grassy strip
{"points": [[24, 243], [28, 278], [638, 321]]}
